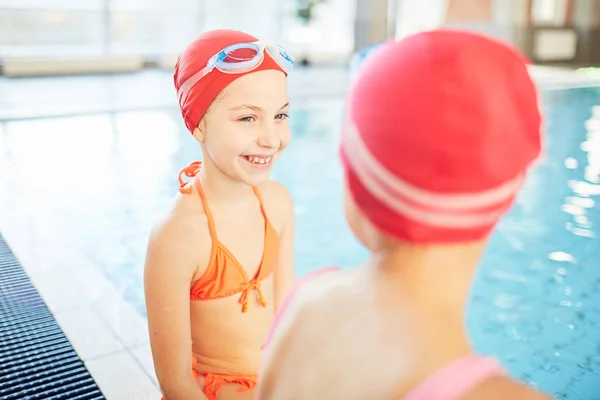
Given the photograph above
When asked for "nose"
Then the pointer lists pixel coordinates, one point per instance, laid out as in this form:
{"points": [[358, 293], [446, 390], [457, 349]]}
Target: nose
{"points": [[270, 136]]}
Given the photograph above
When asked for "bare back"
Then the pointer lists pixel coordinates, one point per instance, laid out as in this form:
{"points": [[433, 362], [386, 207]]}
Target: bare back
{"points": [[368, 346]]}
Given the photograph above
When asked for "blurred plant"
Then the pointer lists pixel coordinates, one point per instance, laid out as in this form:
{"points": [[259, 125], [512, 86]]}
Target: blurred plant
{"points": [[305, 10]]}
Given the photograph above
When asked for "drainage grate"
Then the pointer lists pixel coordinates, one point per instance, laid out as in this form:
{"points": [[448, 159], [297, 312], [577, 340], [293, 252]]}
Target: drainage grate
{"points": [[37, 362]]}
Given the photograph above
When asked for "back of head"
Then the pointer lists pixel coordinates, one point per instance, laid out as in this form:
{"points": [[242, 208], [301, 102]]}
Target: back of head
{"points": [[441, 129]]}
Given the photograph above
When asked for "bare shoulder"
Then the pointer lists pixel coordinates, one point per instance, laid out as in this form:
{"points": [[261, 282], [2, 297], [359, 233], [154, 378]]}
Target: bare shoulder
{"points": [[319, 299], [315, 316], [276, 194], [278, 202], [181, 224], [180, 235], [308, 312]]}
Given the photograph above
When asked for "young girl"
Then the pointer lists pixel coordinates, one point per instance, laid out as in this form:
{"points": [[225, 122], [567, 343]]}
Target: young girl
{"points": [[219, 262], [442, 128]]}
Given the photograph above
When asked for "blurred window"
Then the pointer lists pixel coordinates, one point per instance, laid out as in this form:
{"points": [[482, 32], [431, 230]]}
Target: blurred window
{"points": [[549, 12]]}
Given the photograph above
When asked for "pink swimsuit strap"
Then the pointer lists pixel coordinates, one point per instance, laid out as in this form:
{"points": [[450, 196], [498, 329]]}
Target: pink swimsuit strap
{"points": [[457, 379]]}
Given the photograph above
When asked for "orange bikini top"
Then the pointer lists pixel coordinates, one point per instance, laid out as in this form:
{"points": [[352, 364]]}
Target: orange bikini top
{"points": [[224, 275]]}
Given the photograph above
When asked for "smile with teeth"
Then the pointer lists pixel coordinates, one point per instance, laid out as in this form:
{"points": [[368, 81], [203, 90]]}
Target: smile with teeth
{"points": [[260, 160]]}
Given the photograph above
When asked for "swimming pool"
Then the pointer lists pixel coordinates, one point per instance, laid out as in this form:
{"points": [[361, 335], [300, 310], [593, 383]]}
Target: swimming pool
{"points": [[536, 303]]}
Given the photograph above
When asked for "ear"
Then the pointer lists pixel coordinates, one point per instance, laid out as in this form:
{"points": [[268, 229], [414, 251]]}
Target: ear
{"points": [[199, 132]]}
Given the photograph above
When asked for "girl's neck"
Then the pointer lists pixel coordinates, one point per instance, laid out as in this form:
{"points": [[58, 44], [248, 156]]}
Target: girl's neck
{"points": [[434, 282], [220, 188], [424, 267]]}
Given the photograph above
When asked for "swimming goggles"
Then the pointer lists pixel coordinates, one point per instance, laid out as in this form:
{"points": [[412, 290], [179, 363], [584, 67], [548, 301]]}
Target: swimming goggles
{"points": [[239, 58]]}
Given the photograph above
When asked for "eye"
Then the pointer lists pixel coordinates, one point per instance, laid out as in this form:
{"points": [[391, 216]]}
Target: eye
{"points": [[247, 119], [282, 116]]}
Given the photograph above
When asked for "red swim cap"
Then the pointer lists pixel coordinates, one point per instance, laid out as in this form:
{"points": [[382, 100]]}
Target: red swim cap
{"points": [[441, 129], [194, 59]]}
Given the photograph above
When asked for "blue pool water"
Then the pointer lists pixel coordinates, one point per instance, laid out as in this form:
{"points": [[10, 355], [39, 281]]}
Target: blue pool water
{"points": [[536, 302]]}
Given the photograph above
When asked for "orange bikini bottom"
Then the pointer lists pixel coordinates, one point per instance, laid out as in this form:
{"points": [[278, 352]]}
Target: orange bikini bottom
{"points": [[213, 382]]}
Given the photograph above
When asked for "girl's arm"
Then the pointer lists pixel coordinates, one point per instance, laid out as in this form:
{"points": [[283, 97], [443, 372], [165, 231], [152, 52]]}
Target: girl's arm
{"points": [[171, 261], [285, 273]]}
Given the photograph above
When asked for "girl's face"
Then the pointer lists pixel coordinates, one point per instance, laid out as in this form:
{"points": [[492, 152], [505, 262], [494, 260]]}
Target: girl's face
{"points": [[246, 127]]}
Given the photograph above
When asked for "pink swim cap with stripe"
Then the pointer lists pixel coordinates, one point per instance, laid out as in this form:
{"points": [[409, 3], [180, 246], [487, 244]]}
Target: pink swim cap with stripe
{"points": [[441, 129]]}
